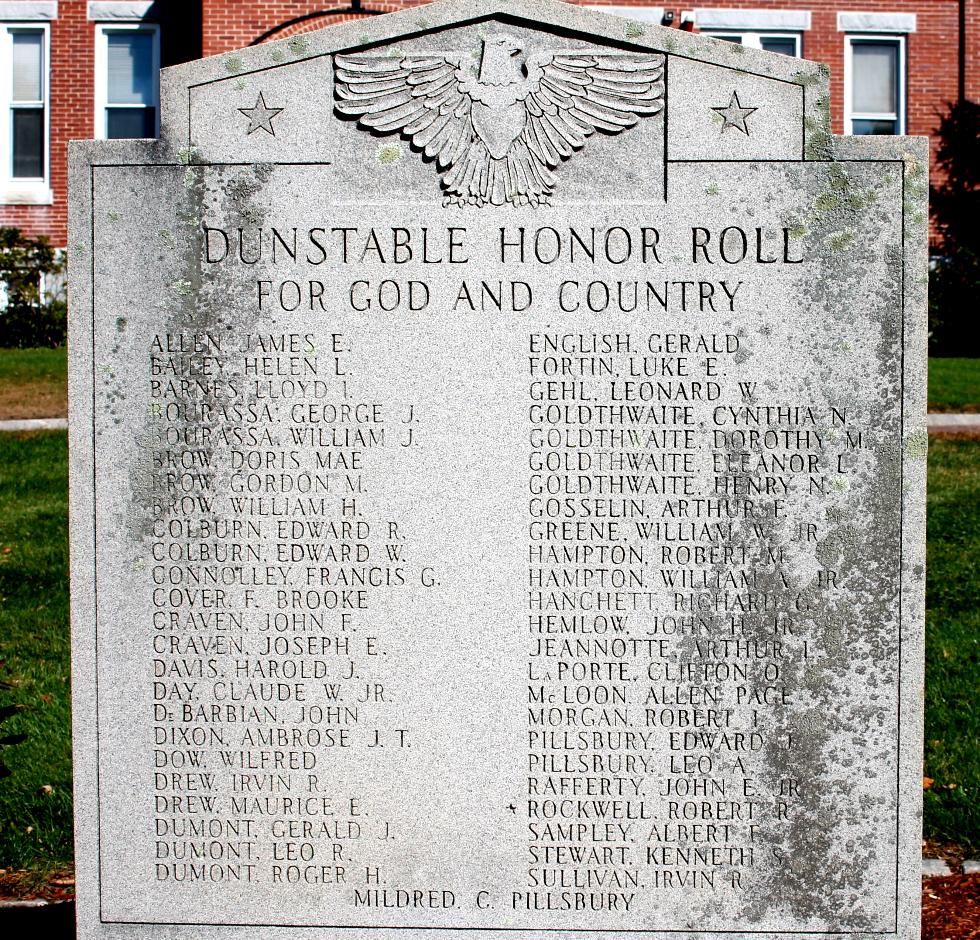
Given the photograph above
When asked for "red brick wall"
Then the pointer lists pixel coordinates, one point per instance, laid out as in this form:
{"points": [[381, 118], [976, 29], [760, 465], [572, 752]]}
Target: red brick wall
{"points": [[972, 32], [231, 24], [72, 109], [72, 99]]}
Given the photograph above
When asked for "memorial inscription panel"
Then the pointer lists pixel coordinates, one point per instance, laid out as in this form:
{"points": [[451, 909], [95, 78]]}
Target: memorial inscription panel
{"points": [[497, 482]]}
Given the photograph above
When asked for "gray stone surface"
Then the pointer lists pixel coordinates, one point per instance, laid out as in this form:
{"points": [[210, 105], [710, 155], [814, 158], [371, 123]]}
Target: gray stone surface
{"points": [[937, 868], [523, 538], [971, 867]]}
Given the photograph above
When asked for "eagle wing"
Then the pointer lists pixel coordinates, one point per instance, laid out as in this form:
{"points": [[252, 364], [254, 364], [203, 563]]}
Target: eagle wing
{"points": [[567, 96], [420, 96], [574, 93]]}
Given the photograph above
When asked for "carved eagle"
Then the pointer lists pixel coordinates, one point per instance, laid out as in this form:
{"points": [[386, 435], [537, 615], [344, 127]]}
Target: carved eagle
{"points": [[496, 129]]}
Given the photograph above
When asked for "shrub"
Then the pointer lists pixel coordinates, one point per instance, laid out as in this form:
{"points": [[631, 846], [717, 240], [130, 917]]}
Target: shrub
{"points": [[30, 319], [23, 327], [954, 282]]}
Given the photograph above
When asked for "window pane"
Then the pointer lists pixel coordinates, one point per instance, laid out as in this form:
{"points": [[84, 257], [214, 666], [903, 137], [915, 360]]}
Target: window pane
{"points": [[28, 134], [875, 127], [875, 77], [123, 123], [27, 65], [737, 39], [784, 45], [130, 68]]}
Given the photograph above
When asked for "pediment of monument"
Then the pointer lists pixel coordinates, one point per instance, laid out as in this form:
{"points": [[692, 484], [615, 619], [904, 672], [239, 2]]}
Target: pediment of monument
{"points": [[489, 103]]}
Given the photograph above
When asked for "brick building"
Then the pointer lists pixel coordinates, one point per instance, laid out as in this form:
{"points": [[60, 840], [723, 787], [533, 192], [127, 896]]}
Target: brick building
{"points": [[89, 68]]}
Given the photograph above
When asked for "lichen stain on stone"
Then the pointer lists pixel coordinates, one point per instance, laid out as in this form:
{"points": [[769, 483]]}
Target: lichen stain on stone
{"points": [[184, 310], [806, 79], [853, 628], [796, 230], [388, 154], [840, 209], [634, 30], [277, 55], [916, 445], [744, 352], [914, 167], [298, 44], [234, 65], [819, 140]]}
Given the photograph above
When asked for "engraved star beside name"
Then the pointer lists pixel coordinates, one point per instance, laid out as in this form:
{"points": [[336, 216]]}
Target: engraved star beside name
{"points": [[260, 116], [734, 114]]}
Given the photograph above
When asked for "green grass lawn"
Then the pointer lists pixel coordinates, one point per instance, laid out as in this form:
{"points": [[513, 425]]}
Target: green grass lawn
{"points": [[35, 821], [35, 824], [952, 753], [33, 383], [954, 385]]}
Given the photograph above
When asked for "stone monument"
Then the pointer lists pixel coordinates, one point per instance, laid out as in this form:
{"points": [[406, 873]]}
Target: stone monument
{"points": [[497, 477]]}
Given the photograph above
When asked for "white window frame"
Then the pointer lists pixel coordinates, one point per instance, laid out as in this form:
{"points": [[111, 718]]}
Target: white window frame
{"points": [[752, 38], [21, 190], [102, 33], [850, 116]]}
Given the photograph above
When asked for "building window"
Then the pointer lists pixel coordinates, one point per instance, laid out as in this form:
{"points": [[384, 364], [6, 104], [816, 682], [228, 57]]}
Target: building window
{"points": [[783, 43], [24, 122], [874, 84], [127, 81]]}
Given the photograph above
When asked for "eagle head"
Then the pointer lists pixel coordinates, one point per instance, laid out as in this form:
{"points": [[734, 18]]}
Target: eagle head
{"points": [[507, 44], [497, 65]]}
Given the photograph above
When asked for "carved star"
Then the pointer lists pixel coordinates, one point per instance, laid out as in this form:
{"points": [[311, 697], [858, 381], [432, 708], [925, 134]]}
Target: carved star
{"points": [[734, 114], [260, 117]]}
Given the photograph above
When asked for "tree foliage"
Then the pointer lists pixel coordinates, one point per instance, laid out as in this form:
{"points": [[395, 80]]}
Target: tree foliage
{"points": [[29, 318], [954, 283]]}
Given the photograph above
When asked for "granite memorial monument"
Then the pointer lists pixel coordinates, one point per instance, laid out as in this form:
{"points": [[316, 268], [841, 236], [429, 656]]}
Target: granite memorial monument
{"points": [[497, 486]]}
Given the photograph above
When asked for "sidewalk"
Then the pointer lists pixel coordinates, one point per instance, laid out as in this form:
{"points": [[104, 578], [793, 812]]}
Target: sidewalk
{"points": [[954, 424], [34, 424]]}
